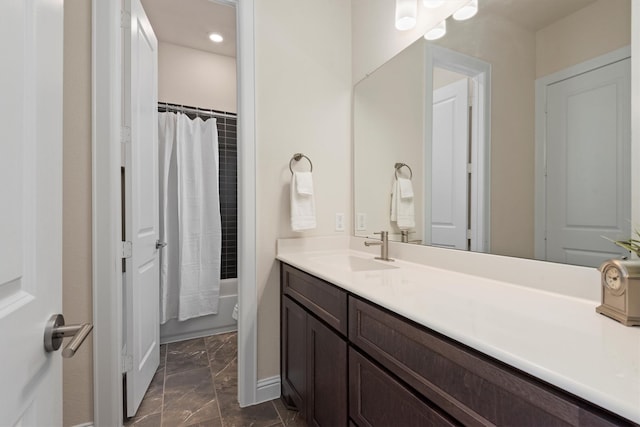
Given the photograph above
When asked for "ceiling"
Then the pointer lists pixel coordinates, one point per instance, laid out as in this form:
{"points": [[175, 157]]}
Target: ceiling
{"points": [[189, 22]]}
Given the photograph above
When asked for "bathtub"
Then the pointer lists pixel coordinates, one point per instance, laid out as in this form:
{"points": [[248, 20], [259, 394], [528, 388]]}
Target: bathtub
{"points": [[212, 324]]}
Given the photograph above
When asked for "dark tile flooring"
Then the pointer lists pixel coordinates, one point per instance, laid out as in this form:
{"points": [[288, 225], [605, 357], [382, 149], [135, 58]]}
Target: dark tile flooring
{"points": [[196, 385]]}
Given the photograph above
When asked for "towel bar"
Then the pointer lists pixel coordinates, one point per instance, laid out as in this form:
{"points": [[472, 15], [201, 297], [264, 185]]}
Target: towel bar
{"points": [[399, 166], [297, 157]]}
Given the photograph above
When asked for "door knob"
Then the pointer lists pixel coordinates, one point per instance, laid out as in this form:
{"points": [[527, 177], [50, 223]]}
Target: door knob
{"points": [[160, 244], [56, 330]]}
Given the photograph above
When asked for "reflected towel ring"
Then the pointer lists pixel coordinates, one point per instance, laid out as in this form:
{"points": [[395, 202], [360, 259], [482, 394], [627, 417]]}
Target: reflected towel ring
{"points": [[399, 166], [297, 157]]}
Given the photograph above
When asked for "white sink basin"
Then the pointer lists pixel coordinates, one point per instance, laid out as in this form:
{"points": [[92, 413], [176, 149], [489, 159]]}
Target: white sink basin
{"points": [[354, 263]]}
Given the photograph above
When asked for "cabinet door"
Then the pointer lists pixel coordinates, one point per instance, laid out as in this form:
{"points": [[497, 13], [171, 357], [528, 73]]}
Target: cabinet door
{"points": [[326, 376], [377, 399], [294, 354]]}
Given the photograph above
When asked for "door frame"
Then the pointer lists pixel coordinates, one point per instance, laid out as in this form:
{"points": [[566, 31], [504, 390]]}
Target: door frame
{"points": [[540, 191], [106, 209], [480, 72]]}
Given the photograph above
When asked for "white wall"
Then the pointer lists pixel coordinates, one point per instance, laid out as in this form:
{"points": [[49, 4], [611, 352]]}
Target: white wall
{"points": [[388, 127], [590, 32], [303, 104], [196, 78]]}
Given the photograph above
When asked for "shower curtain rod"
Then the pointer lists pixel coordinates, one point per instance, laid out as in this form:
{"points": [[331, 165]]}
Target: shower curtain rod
{"points": [[195, 110]]}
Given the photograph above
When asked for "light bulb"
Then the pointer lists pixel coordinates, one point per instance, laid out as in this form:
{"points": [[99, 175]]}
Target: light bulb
{"points": [[406, 14], [466, 12], [437, 32]]}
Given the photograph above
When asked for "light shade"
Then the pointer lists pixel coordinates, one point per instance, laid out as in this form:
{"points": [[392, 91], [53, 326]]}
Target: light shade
{"points": [[432, 4], [406, 14], [436, 32], [466, 12], [215, 37]]}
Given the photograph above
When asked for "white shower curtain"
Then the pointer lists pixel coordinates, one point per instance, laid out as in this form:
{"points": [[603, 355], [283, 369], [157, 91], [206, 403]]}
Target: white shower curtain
{"points": [[189, 217]]}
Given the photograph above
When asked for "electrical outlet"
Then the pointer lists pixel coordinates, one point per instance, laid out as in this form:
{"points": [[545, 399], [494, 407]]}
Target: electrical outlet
{"points": [[361, 222], [339, 222]]}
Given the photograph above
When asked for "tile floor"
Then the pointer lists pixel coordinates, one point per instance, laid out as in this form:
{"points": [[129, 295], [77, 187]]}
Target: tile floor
{"points": [[196, 385]]}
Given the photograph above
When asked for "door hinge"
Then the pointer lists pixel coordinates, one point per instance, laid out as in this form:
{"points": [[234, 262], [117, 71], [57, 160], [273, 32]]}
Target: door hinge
{"points": [[127, 363], [125, 135], [469, 167], [469, 236], [125, 19], [127, 249]]}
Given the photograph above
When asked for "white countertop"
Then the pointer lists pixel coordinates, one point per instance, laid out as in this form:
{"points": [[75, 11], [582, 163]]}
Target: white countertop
{"points": [[557, 338]]}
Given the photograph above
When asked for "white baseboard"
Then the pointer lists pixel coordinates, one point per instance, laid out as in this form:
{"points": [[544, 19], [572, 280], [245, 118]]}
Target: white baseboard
{"points": [[268, 389], [84, 425]]}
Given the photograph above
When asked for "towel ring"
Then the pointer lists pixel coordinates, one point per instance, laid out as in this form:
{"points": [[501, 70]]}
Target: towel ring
{"points": [[399, 166], [297, 157]]}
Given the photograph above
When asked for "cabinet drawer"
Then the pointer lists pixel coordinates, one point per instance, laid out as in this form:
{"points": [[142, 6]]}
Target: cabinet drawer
{"points": [[326, 301], [377, 399], [473, 388]]}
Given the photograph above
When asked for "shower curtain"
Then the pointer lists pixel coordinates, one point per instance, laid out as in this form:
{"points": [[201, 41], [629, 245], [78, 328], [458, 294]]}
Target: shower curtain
{"points": [[189, 217]]}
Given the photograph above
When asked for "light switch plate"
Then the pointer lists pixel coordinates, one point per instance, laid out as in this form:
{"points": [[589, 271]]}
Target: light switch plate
{"points": [[339, 222], [361, 222]]}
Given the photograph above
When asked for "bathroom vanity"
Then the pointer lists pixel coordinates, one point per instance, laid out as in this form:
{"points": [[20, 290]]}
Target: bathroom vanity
{"points": [[370, 343]]}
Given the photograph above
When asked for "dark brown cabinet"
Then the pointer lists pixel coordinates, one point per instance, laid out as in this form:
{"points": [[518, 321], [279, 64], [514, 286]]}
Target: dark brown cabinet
{"points": [[313, 355], [399, 373], [377, 399]]}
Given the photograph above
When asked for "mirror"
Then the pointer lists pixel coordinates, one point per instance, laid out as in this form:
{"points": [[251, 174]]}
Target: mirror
{"points": [[475, 117]]}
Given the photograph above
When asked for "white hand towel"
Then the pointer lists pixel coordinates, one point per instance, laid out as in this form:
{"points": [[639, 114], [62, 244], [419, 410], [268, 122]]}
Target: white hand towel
{"points": [[406, 188], [402, 209], [303, 209], [304, 183]]}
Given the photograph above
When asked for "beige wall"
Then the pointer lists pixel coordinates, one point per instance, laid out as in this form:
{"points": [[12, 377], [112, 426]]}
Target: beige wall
{"points": [[303, 104], [510, 50], [196, 78], [375, 39], [388, 127], [593, 31], [76, 227]]}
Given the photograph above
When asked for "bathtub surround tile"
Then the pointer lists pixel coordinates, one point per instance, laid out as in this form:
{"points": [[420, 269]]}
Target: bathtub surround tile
{"points": [[204, 396], [186, 355]]}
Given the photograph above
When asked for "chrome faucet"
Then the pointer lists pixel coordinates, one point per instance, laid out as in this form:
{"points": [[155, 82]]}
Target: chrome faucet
{"points": [[384, 245]]}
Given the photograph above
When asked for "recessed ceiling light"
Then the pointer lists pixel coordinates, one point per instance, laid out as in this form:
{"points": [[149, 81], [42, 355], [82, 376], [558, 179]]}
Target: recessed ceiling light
{"points": [[215, 37]]}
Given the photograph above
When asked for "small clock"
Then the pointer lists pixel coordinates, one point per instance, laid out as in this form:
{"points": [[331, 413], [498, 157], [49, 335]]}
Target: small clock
{"points": [[621, 291]]}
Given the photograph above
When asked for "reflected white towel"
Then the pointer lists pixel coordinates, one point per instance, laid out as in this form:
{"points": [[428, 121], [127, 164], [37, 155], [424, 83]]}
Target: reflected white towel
{"points": [[303, 209], [402, 208]]}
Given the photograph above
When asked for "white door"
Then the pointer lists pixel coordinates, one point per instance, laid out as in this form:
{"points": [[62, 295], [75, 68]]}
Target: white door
{"points": [[31, 210], [142, 277], [588, 180], [449, 177]]}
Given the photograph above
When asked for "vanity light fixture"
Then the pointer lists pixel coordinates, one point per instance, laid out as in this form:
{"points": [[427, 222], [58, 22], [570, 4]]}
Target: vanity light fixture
{"points": [[216, 38], [466, 12], [432, 4], [437, 32], [406, 14]]}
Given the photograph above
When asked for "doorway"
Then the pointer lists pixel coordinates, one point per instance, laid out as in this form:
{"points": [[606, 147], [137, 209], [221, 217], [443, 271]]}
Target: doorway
{"points": [[468, 227], [107, 281]]}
